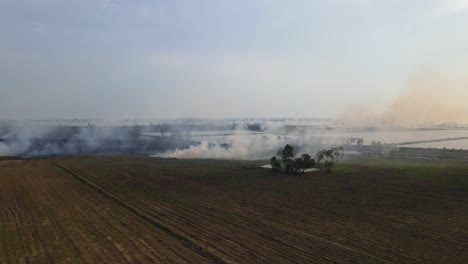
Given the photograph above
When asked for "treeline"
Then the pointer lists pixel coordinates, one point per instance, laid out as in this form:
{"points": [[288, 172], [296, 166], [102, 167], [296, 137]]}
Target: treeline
{"points": [[290, 164]]}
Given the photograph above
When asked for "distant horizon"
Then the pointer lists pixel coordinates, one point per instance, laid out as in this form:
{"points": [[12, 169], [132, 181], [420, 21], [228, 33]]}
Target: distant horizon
{"points": [[326, 122]]}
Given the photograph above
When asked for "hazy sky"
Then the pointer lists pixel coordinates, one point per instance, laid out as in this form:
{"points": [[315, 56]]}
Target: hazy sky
{"points": [[219, 58]]}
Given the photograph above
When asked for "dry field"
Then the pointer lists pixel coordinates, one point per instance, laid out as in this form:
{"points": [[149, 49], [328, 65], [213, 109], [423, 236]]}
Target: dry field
{"points": [[132, 209]]}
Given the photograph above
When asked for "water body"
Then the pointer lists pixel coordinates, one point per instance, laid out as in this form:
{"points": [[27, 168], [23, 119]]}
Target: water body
{"points": [[399, 136], [332, 137], [455, 144], [384, 136]]}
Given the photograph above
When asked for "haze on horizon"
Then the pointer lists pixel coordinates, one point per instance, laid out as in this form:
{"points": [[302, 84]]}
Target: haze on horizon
{"points": [[207, 58]]}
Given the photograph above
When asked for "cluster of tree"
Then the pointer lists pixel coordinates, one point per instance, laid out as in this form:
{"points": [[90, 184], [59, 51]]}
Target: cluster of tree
{"points": [[327, 158], [290, 164]]}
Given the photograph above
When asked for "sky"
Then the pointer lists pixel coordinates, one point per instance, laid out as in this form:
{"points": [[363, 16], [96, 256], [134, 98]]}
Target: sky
{"points": [[220, 58]]}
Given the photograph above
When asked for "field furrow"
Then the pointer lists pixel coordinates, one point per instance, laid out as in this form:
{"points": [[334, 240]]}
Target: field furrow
{"points": [[133, 209]]}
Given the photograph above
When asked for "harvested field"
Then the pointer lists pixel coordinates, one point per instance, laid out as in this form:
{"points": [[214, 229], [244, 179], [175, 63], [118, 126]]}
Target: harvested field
{"points": [[132, 209]]}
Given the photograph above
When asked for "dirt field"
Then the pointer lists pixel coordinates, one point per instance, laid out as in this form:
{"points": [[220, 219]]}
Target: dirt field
{"points": [[132, 209]]}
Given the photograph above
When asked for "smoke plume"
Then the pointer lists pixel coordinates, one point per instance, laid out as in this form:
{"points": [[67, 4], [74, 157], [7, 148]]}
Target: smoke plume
{"points": [[256, 146], [429, 99]]}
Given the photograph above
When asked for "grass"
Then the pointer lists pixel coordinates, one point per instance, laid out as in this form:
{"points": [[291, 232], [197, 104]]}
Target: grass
{"points": [[130, 209]]}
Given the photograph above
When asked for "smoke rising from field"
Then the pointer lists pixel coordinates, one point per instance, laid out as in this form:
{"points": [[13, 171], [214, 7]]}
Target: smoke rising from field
{"points": [[30, 139], [254, 146], [207, 151], [231, 139], [430, 98]]}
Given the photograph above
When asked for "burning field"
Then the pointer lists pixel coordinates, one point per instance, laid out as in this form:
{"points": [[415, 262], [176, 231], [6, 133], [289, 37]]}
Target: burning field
{"points": [[134, 209]]}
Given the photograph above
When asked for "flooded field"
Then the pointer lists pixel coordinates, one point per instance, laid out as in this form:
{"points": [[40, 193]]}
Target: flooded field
{"points": [[455, 144], [399, 136], [319, 137]]}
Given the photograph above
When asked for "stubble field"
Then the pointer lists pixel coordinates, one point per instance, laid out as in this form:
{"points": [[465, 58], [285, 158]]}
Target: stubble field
{"points": [[134, 209]]}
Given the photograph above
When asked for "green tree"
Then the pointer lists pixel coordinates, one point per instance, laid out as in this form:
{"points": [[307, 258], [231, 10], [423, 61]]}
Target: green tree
{"points": [[275, 164], [307, 162], [303, 163], [291, 164], [287, 155], [328, 157]]}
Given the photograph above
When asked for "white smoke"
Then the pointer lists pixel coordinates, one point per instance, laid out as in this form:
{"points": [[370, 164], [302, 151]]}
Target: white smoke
{"points": [[206, 151], [242, 146], [33, 139], [430, 98]]}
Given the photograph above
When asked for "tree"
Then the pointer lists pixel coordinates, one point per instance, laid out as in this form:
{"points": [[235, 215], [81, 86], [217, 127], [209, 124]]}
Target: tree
{"points": [[307, 162], [297, 165], [329, 157], [287, 153], [287, 156], [291, 165], [303, 163], [275, 164], [360, 142]]}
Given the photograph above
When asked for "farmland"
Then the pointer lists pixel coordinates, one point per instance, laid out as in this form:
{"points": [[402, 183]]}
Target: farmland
{"points": [[134, 209]]}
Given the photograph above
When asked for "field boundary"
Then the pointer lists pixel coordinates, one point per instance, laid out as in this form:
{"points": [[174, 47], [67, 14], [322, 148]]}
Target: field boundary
{"points": [[185, 241]]}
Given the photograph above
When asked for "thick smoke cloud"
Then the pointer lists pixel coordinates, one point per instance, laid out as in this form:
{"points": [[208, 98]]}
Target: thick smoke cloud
{"points": [[220, 139], [208, 151], [31, 139], [257, 146], [430, 98]]}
